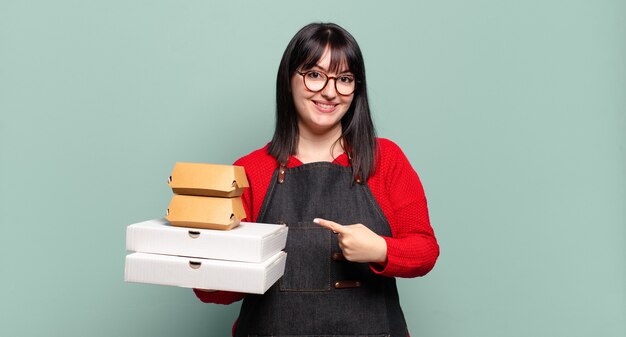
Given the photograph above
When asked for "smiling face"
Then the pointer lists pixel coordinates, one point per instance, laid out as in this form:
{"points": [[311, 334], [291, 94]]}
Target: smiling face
{"points": [[320, 112]]}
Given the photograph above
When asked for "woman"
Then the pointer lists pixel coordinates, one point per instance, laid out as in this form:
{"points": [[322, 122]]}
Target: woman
{"points": [[355, 208]]}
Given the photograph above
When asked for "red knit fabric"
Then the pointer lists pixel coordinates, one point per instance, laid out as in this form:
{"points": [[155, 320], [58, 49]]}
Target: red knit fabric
{"points": [[411, 250]]}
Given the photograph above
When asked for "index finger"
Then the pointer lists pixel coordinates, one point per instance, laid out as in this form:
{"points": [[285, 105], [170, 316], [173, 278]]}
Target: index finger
{"points": [[333, 226]]}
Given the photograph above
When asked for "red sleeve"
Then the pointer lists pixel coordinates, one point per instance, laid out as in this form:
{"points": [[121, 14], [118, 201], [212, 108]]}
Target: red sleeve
{"points": [[412, 250], [219, 297], [260, 167]]}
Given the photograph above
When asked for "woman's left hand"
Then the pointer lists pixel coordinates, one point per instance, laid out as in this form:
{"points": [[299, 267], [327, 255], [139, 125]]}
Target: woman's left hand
{"points": [[357, 242]]}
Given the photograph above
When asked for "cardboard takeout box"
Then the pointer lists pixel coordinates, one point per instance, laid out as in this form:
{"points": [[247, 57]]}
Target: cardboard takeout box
{"points": [[248, 242], [204, 273], [208, 180], [205, 212]]}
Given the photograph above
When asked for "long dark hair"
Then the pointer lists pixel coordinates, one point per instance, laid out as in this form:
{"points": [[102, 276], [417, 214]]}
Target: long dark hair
{"points": [[303, 51]]}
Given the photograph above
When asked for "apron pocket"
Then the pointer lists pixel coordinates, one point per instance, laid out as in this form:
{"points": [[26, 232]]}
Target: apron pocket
{"points": [[308, 258]]}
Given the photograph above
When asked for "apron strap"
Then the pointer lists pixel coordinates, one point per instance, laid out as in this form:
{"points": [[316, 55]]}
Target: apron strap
{"points": [[281, 173]]}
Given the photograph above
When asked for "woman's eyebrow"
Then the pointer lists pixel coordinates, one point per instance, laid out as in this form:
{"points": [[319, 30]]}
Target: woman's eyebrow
{"points": [[320, 67], [326, 70]]}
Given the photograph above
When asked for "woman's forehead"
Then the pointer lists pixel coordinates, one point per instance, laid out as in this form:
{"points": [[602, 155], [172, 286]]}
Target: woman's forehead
{"points": [[331, 61]]}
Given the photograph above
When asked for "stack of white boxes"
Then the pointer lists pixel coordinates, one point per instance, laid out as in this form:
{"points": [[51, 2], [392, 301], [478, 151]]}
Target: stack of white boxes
{"points": [[244, 257]]}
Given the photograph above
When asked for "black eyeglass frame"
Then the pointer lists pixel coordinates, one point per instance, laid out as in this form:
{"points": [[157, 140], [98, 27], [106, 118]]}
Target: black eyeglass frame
{"points": [[303, 74]]}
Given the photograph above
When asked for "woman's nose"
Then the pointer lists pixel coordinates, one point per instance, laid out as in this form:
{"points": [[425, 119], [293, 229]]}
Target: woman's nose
{"points": [[329, 90]]}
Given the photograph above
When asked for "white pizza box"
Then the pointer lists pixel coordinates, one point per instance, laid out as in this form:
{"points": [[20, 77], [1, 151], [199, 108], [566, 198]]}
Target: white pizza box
{"points": [[248, 242], [187, 272]]}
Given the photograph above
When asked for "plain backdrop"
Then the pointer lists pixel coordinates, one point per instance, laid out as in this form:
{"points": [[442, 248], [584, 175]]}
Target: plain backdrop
{"points": [[512, 112]]}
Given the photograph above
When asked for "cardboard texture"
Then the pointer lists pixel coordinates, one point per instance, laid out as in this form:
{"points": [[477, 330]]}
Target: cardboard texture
{"points": [[208, 180], [187, 272], [249, 242], [205, 212]]}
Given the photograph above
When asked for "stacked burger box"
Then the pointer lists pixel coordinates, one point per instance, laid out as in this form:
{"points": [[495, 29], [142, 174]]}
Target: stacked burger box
{"points": [[202, 243]]}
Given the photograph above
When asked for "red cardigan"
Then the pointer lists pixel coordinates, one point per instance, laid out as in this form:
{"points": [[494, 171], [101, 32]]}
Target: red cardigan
{"points": [[411, 250]]}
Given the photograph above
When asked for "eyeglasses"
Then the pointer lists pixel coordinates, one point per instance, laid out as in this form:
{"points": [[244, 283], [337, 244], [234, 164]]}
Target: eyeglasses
{"points": [[316, 81]]}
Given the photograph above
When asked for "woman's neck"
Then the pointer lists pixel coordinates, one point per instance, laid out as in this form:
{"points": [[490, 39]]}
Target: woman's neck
{"points": [[315, 147]]}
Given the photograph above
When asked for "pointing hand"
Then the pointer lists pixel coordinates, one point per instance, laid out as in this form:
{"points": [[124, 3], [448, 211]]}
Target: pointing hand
{"points": [[357, 242]]}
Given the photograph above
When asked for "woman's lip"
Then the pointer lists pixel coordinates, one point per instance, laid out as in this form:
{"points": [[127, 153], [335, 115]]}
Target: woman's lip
{"points": [[325, 106]]}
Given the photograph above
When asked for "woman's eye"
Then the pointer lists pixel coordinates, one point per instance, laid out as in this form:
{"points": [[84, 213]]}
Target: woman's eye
{"points": [[314, 75], [346, 79]]}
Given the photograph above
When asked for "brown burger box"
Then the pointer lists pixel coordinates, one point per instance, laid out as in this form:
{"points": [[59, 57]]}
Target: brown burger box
{"points": [[211, 180], [205, 212]]}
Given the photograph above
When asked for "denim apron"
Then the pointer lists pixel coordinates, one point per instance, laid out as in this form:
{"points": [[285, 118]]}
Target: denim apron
{"points": [[321, 293]]}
